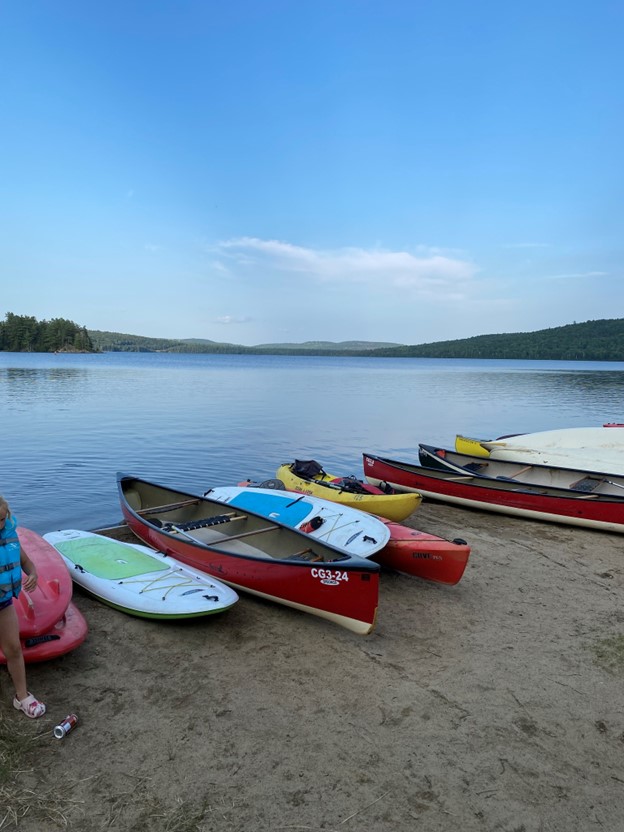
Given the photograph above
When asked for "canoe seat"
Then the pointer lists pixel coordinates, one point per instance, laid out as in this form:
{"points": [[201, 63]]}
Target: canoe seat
{"points": [[476, 466], [586, 484], [307, 554]]}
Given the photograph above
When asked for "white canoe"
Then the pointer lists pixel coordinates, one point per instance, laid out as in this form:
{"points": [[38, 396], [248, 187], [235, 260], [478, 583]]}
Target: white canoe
{"points": [[138, 580], [342, 527], [588, 449], [601, 437]]}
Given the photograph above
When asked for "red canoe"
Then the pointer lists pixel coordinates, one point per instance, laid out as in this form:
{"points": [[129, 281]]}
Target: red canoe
{"points": [[39, 610], [423, 555], [65, 635], [555, 505], [253, 554]]}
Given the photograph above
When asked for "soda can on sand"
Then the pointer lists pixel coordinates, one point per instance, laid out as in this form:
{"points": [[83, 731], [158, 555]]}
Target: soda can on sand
{"points": [[64, 727]]}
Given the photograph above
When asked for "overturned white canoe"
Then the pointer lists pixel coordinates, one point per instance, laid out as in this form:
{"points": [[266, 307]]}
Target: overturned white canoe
{"points": [[589, 449]]}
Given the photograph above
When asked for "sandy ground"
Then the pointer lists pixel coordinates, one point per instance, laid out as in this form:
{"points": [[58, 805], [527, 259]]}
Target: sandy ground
{"points": [[496, 704]]}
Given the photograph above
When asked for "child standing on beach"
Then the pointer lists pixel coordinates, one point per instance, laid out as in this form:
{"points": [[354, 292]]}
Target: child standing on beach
{"points": [[12, 561]]}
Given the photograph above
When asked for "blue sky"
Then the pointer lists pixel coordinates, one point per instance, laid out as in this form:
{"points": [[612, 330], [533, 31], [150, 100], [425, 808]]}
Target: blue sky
{"points": [[287, 170]]}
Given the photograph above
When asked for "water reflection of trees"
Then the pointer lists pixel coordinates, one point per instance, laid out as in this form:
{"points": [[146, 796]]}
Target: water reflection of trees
{"points": [[29, 381]]}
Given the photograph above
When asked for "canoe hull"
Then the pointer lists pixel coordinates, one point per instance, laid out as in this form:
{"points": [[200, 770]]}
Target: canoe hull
{"points": [[341, 589], [588, 449], [551, 505]]}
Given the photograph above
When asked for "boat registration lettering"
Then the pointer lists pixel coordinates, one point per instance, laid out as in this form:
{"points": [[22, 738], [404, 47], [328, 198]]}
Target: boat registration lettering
{"points": [[330, 577]]}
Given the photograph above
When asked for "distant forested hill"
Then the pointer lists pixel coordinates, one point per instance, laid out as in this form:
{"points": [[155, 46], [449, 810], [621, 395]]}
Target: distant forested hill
{"points": [[590, 341], [121, 342], [601, 340]]}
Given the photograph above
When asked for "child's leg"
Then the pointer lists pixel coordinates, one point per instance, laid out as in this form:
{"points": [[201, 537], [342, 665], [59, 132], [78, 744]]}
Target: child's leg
{"points": [[12, 649]]}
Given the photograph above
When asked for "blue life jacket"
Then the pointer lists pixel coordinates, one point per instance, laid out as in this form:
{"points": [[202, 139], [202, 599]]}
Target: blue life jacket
{"points": [[10, 565]]}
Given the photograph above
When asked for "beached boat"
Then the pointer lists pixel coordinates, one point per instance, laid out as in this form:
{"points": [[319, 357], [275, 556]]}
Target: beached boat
{"points": [[406, 550], [423, 555], [308, 477], [246, 551], [550, 476], [138, 580], [557, 505], [66, 635], [589, 449], [49, 623], [354, 532], [467, 445], [40, 609]]}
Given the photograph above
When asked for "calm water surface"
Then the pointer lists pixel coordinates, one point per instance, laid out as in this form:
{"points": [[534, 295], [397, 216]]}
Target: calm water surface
{"points": [[71, 422]]}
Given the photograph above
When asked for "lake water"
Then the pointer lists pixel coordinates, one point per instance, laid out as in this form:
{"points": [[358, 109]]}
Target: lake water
{"points": [[71, 422]]}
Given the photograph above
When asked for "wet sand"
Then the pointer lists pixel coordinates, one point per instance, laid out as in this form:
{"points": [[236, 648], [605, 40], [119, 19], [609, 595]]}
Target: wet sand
{"points": [[496, 704]]}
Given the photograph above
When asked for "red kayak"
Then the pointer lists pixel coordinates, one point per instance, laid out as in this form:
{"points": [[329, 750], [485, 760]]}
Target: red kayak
{"points": [[65, 635], [40, 609], [413, 552]]}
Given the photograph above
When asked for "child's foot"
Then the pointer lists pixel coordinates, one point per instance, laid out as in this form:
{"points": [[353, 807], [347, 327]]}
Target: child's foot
{"points": [[29, 706]]}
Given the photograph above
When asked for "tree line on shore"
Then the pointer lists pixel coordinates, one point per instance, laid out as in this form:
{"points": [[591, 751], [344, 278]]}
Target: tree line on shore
{"points": [[24, 333], [601, 340]]}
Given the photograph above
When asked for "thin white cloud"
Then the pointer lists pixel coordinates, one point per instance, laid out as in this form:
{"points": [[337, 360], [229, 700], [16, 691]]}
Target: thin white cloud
{"points": [[427, 271], [152, 247], [226, 320], [579, 275]]}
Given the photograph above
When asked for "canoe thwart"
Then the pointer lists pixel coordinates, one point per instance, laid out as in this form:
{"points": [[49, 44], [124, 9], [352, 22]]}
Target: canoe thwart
{"points": [[183, 528], [167, 507]]}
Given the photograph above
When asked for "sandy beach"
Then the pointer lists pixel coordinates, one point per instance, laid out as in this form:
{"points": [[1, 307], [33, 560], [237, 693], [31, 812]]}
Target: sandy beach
{"points": [[496, 704]]}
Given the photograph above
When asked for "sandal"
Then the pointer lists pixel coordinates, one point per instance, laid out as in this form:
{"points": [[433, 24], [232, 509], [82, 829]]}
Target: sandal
{"points": [[29, 706]]}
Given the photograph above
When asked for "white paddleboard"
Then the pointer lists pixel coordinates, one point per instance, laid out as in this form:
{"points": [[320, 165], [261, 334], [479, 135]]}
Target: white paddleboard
{"points": [[138, 580], [345, 528]]}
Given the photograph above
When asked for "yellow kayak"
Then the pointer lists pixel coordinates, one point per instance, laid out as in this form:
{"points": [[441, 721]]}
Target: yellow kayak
{"points": [[472, 447], [347, 491]]}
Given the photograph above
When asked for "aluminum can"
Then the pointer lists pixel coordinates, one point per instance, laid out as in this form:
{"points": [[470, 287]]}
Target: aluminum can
{"points": [[64, 727]]}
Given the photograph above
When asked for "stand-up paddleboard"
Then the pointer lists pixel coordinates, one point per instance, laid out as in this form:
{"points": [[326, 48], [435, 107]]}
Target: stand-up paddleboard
{"points": [[406, 550], [65, 635], [40, 609], [348, 529], [138, 580]]}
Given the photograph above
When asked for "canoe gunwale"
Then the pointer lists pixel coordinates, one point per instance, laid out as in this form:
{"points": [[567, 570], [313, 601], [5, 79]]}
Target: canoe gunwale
{"points": [[603, 512], [343, 589]]}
